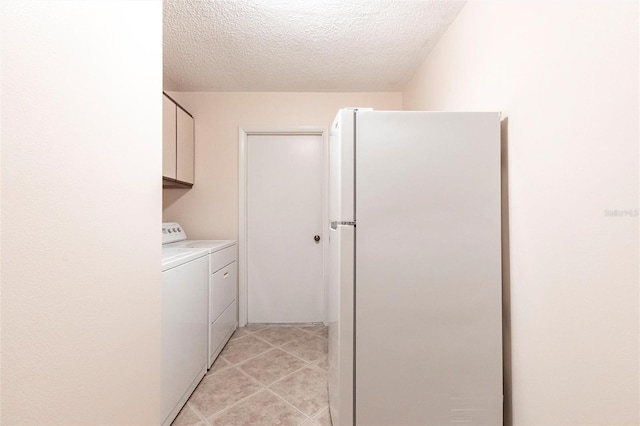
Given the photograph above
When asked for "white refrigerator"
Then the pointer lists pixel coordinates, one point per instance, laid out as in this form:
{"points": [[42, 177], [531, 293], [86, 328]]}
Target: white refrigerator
{"points": [[415, 316]]}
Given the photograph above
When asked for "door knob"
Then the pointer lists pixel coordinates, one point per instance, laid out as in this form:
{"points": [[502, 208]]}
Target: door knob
{"points": [[316, 238]]}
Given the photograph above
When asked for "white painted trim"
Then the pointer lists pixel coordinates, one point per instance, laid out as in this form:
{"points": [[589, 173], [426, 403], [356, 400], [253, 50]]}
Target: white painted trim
{"points": [[243, 133]]}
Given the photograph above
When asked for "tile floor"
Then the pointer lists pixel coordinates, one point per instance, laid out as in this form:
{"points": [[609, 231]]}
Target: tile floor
{"points": [[266, 375]]}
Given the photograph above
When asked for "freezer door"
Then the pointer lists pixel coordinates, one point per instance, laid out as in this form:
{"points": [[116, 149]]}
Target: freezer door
{"points": [[341, 167], [341, 285]]}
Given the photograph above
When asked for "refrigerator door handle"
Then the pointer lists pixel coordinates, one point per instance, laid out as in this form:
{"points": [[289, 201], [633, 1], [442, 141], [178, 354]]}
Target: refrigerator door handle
{"points": [[336, 223]]}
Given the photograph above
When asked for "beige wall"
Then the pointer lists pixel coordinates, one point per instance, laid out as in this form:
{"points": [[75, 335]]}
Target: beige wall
{"points": [[565, 74], [210, 208], [81, 125]]}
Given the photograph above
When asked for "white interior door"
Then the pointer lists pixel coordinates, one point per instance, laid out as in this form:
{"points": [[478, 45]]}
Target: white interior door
{"points": [[284, 214]]}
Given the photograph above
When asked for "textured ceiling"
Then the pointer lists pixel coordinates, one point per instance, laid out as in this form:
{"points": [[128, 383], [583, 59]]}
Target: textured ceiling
{"points": [[299, 45]]}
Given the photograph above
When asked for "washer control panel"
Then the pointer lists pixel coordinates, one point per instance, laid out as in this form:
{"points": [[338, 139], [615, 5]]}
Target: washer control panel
{"points": [[172, 232]]}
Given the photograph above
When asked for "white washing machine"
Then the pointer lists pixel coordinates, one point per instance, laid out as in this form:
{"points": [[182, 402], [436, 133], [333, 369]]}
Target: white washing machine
{"points": [[223, 284], [185, 314]]}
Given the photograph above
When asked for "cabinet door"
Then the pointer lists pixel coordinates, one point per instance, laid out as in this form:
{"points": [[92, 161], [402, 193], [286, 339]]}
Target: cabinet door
{"points": [[168, 138], [185, 147]]}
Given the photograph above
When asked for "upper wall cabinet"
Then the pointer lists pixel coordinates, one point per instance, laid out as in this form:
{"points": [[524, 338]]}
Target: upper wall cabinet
{"points": [[177, 145]]}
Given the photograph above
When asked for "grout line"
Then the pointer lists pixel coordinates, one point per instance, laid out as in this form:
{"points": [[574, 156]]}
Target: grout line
{"points": [[312, 367], [254, 380], [306, 364], [235, 340], [322, 410], [266, 326], [221, 369], [291, 405], [254, 356], [239, 401], [278, 345], [264, 340], [198, 414], [256, 334], [306, 330], [312, 336], [308, 420], [313, 333], [281, 347], [262, 387], [297, 356], [316, 362], [234, 404], [318, 368], [290, 374], [237, 364]]}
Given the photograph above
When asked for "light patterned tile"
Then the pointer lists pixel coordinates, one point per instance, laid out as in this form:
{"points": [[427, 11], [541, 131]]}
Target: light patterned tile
{"points": [[306, 389], [323, 362], [243, 348], [219, 391], [218, 365], [271, 366], [280, 335], [263, 408], [223, 395], [323, 332], [310, 347], [313, 329], [187, 417], [324, 418], [240, 332], [252, 328]]}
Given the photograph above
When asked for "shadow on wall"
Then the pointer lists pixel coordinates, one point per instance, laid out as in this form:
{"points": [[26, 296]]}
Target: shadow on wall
{"points": [[506, 274], [171, 195]]}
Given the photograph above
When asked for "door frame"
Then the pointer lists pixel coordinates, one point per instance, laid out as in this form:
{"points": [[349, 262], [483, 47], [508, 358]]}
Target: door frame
{"points": [[243, 134]]}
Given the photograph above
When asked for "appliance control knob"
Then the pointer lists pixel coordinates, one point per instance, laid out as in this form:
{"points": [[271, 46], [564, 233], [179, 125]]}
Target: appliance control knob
{"points": [[316, 238]]}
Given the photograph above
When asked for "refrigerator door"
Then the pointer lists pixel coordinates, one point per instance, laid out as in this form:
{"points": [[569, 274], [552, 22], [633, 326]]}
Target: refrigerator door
{"points": [[341, 282], [428, 326], [341, 167]]}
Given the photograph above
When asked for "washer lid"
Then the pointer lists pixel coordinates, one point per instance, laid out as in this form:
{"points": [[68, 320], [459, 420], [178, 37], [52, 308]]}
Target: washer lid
{"points": [[176, 256], [211, 245]]}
